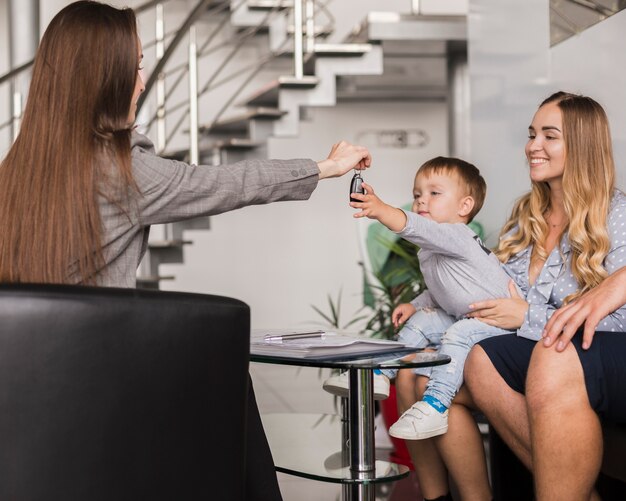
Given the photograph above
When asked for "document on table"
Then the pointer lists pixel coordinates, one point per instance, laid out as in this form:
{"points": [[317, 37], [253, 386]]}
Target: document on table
{"points": [[327, 344]]}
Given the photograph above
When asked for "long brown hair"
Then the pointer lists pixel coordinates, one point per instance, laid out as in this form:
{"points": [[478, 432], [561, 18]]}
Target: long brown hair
{"points": [[588, 185], [73, 131]]}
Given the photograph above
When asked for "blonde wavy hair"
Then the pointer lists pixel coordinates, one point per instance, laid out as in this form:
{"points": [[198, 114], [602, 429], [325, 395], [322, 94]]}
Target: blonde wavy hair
{"points": [[588, 184]]}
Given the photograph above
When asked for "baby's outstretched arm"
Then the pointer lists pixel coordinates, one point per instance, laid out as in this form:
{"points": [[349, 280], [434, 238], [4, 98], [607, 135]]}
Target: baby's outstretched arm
{"points": [[374, 208]]}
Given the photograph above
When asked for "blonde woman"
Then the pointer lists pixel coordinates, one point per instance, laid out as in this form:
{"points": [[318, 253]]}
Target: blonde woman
{"points": [[564, 237], [576, 221], [80, 188]]}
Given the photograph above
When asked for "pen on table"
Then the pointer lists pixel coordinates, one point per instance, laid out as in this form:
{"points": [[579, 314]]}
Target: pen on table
{"points": [[296, 335]]}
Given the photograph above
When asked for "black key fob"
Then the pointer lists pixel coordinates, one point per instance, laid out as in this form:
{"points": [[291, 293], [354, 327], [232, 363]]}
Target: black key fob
{"points": [[356, 186]]}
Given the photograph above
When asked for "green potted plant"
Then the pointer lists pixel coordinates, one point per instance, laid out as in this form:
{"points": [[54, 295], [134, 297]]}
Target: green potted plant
{"points": [[397, 281]]}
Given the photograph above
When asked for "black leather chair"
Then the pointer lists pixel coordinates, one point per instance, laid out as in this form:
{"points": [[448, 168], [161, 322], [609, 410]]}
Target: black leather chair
{"points": [[121, 394]]}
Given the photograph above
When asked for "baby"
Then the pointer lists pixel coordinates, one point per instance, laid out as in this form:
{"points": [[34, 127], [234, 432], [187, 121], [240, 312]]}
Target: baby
{"points": [[458, 270]]}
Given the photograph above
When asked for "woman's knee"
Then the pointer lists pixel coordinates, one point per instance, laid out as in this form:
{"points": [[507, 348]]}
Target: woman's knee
{"points": [[554, 377], [477, 366], [485, 385]]}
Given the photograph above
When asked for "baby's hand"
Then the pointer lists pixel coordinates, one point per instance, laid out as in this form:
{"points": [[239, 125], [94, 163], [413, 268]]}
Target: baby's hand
{"points": [[371, 206], [401, 313]]}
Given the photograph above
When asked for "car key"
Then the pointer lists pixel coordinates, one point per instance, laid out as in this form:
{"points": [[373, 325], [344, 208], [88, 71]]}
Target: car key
{"points": [[356, 186]]}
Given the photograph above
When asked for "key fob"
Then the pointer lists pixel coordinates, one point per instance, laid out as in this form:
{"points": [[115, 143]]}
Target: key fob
{"points": [[356, 186]]}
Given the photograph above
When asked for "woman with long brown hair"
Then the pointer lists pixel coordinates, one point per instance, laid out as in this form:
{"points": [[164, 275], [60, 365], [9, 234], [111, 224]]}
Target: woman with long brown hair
{"points": [[562, 239], [80, 188]]}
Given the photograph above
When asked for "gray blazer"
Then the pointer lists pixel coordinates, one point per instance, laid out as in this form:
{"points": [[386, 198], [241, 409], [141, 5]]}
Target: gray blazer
{"points": [[174, 191]]}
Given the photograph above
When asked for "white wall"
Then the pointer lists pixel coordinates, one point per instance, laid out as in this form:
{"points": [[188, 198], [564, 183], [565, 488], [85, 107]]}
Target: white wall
{"points": [[5, 93], [508, 66], [513, 68], [282, 258], [594, 63], [348, 14]]}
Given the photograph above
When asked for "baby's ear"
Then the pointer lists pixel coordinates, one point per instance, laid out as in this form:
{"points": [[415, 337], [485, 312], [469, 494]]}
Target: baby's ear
{"points": [[466, 205]]}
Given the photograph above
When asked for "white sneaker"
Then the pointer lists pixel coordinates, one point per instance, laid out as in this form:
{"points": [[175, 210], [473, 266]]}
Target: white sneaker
{"points": [[419, 422], [340, 385]]}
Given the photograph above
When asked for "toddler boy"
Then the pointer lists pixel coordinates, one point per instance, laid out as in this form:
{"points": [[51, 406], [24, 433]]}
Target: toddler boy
{"points": [[458, 270]]}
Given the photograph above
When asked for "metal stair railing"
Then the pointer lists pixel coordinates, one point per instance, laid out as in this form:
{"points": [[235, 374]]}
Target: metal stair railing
{"points": [[156, 79], [195, 13], [300, 50], [15, 71], [158, 75], [236, 44], [160, 37], [173, 232], [16, 109]]}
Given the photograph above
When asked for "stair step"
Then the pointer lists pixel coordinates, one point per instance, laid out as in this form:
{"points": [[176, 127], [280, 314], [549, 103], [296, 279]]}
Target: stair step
{"points": [[240, 123], [416, 27], [269, 4], [342, 49], [334, 50], [152, 282], [233, 143], [183, 155], [208, 154], [197, 223], [237, 143], [319, 31], [168, 244], [268, 94]]}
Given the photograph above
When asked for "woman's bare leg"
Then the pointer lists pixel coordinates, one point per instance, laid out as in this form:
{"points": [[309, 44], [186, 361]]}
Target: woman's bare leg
{"points": [[431, 472], [566, 433], [504, 408], [460, 451], [508, 412]]}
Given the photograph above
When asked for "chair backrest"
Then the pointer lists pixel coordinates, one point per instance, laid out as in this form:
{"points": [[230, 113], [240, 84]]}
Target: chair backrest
{"points": [[115, 394]]}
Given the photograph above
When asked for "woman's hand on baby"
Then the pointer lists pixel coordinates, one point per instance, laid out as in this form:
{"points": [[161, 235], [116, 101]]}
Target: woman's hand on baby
{"points": [[343, 157], [401, 313], [374, 208], [506, 313]]}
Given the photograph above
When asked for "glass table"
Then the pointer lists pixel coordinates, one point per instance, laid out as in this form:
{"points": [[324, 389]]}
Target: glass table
{"points": [[306, 444]]}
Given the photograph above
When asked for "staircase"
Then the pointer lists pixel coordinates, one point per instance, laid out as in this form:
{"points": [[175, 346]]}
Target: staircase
{"points": [[390, 55], [256, 66], [308, 72]]}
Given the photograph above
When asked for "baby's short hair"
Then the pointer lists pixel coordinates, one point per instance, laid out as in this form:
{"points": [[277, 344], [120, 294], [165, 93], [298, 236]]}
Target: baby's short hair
{"points": [[468, 174]]}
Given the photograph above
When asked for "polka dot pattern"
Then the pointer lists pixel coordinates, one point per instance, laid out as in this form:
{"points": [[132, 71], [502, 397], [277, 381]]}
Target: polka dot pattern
{"points": [[556, 281]]}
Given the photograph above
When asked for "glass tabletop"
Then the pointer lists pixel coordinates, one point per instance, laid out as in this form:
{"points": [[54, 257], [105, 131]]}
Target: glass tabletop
{"points": [[310, 446], [401, 360]]}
